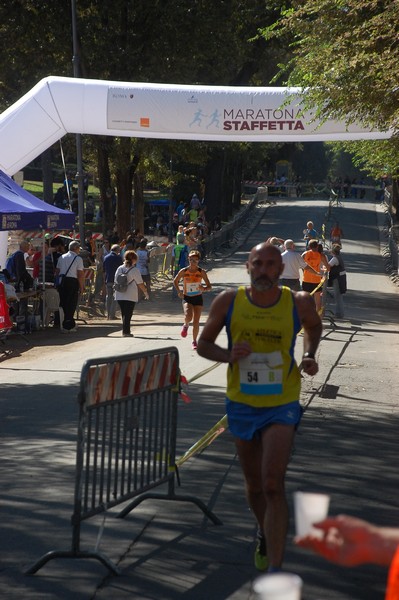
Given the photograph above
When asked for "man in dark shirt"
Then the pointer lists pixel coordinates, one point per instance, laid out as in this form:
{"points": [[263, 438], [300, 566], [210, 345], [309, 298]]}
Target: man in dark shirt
{"points": [[23, 280], [22, 276], [111, 262]]}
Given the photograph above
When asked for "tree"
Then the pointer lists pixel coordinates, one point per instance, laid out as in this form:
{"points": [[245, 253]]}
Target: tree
{"points": [[182, 41], [346, 57], [177, 42]]}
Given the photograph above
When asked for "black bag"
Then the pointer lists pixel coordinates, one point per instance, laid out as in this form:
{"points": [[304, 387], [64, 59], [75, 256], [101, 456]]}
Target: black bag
{"points": [[333, 274], [60, 283], [336, 272], [61, 278], [27, 281], [342, 283]]}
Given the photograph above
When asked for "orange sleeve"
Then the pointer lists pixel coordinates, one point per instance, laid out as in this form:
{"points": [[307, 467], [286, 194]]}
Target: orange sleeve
{"points": [[392, 592]]}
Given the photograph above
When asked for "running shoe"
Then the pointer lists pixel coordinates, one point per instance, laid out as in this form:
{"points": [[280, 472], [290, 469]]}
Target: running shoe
{"points": [[184, 331], [194, 345], [260, 558]]}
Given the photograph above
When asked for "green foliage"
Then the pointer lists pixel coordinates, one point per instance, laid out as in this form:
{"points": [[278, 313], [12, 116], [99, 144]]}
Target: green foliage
{"points": [[201, 42], [348, 52], [35, 42], [346, 56], [375, 157]]}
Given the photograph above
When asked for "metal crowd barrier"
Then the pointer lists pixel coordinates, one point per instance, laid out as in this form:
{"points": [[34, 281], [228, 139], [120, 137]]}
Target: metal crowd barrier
{"points": [[126, 442], [160, 262], [88, 294]]}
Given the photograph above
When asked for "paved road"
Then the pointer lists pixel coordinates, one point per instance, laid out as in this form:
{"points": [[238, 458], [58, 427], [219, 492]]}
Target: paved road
{"points": [[346, 446]]}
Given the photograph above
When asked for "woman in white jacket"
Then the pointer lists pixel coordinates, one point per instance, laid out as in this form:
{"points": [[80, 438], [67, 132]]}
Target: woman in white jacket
{"points": [[127, 299]]}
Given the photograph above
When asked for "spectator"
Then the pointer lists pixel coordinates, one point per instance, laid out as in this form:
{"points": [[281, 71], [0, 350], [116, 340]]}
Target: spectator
{"points": [[57, 249], [127, 299], [129, 245], [195, 202], [293, 263], [350, 542], [74, 201], [179, 208], [183, 213], [337, 278], [312, 277], [36, 262], [336, 234], [143, 265], [19, 275], [310, 233], [23, 280], [179, 258], [68, 184], [90, 209], [99, 286], [111, 262], [191, 235], [88, 251], [276, 241], [60, 197], [175, 224], [216, 223], [192, 214], [70, 270]]}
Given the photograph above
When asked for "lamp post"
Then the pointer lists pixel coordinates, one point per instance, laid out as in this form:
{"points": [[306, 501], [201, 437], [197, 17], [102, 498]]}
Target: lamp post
{"points": [[79, 154], [170, 219]]}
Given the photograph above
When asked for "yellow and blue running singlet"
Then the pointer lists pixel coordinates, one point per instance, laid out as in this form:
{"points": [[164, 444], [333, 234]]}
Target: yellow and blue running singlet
{"points": [[269, 376]]}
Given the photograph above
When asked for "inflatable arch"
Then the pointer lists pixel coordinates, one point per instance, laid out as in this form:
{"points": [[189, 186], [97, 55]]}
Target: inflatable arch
{"points": [[60, 105]]}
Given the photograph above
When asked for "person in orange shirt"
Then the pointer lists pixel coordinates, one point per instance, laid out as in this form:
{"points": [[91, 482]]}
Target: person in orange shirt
{"points": [[336, 234], [312, 277], [195, 282], [350, 542]]}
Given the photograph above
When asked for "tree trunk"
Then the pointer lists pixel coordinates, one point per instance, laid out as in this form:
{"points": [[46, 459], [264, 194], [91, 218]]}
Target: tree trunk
{"points": [[227, 188], [104, 145], [237, 182], [124, 179], [47, 171], [124, 202], [138, 202], [213, 186]]}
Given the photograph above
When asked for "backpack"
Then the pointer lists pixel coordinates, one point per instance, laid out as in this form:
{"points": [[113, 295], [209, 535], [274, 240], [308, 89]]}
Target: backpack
{"points": [[10, 267], [121, 284], [183, 257]]}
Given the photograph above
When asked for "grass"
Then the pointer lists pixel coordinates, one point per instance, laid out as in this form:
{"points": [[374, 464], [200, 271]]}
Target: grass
{"points": [[36, 188]]}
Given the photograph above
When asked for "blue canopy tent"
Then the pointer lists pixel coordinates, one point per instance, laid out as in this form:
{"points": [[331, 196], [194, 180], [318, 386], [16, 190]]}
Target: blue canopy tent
{"points": [[21, 210]]}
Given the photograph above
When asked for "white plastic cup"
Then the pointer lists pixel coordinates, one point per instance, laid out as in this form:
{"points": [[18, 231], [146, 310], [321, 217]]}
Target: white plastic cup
{"points": [[309, 508], [278, 586]]}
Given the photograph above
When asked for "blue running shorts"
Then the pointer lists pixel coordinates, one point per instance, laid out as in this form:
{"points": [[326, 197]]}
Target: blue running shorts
{"points": [[246, 421]]}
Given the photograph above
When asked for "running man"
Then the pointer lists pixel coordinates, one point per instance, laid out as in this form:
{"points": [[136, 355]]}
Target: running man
{"points": [[262, 321], [193, 288]]}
